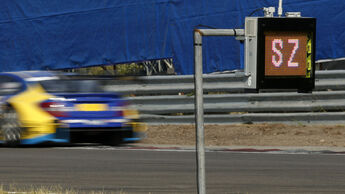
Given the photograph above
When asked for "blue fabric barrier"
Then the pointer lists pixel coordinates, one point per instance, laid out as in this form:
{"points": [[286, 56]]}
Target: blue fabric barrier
{"points": [[59, 34]]}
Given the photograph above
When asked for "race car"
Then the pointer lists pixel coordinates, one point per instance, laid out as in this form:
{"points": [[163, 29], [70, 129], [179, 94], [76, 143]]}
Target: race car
{"points": [[46, 106]]}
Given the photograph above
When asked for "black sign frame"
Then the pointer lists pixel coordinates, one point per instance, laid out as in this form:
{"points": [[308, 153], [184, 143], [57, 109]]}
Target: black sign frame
{"points": [[302, 84]]}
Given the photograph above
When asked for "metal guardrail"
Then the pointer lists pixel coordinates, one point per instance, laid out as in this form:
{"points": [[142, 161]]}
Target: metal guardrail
{"points": [[232, 82], [227, 103], [158, 99], [250, 118]]}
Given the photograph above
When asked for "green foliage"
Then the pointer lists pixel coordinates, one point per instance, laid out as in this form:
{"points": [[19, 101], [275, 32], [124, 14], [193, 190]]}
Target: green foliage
{"points": [[119, 69], [129, 69]]}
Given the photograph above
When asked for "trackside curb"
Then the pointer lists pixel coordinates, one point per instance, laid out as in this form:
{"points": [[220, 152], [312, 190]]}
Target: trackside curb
{"points": [[258, 149]]}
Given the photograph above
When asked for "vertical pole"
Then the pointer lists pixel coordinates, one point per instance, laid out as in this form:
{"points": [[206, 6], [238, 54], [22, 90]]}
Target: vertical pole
{"points": [[199, 115], [280, 8]]}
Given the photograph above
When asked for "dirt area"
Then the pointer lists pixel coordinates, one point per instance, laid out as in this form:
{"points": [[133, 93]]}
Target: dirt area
{"points": [[250, 134]]}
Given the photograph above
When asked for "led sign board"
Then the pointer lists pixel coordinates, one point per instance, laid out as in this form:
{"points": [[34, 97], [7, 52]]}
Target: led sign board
{"points": [[280, 53], [285, 54]]}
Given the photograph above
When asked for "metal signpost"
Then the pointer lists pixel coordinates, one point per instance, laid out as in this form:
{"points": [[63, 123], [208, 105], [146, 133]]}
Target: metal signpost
{"points": [[279, 54], [199, 115]]}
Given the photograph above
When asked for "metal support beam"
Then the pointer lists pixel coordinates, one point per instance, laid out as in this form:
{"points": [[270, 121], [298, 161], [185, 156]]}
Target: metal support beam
{"points": [[199, 104], [220, 32]]}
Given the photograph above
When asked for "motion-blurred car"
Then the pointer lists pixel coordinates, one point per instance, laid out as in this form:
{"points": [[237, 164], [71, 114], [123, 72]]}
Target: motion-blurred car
{"points": [[44, 106]]}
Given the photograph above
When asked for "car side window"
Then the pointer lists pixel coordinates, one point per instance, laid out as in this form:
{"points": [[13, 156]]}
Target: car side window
{"points": [[9, 85]]}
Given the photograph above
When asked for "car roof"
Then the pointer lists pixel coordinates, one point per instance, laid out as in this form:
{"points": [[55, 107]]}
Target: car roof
{"points": [[26, 74], [32, 76]]}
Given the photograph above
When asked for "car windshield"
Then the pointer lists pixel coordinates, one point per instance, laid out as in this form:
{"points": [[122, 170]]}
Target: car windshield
{"points": [[71, 86]]}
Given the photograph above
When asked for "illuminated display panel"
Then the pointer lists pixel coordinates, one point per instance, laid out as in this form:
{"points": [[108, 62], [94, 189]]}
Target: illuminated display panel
{"points": [[286, 54]]}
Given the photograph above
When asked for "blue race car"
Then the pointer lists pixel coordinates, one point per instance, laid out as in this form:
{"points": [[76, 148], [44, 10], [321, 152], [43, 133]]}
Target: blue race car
{"points": [[45, 106]]}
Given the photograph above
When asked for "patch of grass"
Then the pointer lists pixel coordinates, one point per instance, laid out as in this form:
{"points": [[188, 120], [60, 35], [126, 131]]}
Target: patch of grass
{"points": [[14, 189]]}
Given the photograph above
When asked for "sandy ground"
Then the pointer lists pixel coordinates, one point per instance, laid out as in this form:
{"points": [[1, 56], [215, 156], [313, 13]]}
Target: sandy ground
{"points": [[250, 135]]}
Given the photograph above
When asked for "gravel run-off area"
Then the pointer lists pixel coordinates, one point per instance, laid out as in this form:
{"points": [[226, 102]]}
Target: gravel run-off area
{"points": [[250, 135]]}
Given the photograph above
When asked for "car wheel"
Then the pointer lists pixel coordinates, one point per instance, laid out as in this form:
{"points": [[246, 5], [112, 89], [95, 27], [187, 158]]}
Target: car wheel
{"points": [[10, 127]]}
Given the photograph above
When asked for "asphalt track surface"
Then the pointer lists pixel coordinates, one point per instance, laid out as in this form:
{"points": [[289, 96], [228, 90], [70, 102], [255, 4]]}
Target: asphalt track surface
{"points": [[171, 171]]}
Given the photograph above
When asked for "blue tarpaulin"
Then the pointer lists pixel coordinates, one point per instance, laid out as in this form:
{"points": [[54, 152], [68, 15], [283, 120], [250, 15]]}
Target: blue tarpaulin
{"points": [[59, 34]]}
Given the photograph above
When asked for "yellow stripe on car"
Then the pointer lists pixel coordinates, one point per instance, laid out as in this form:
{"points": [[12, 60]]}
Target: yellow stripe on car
{"points": [[139, 126], [131, 113], [36, 121]]}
